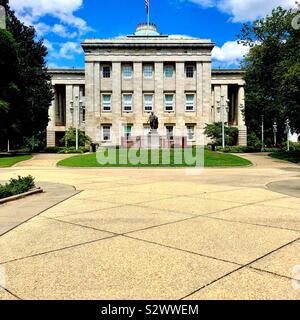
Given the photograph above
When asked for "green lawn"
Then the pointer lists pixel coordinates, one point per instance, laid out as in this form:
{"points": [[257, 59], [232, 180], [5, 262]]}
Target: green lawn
{"points": [[8, 161], [212, 159], [292, 156]]}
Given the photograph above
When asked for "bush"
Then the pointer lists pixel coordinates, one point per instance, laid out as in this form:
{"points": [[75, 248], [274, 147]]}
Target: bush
{"points": [[68, 150], [69, 140], [253, 141], [16, 186], [294, 146], [237, 149], [214, 131]]}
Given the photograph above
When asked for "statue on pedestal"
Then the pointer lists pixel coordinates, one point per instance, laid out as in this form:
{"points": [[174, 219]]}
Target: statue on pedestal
{"points": [[153, 120]]}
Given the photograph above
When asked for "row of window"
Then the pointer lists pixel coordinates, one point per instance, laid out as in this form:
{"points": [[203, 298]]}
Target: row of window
{"points": [[148, 71], [148, 102], [169, 129]]}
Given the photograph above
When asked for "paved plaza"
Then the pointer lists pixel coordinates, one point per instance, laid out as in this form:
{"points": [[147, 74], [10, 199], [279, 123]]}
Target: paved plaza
{"points": [[153, 233]]}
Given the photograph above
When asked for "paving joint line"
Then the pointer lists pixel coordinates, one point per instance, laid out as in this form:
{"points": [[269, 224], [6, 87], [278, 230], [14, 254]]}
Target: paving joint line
{"points": [[38, 214], [242, 267]]}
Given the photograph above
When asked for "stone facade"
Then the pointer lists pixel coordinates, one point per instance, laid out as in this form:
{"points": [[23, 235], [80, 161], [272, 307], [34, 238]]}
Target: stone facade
{"points": [[126, 78]]}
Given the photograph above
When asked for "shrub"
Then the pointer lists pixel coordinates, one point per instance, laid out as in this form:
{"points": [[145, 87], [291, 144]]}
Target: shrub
{"points": [[16, 186], [294, 146], [69, 140], [253, 141], [214, 131]]}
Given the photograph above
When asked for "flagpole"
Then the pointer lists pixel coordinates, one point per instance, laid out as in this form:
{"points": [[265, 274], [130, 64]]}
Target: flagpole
{"points": [[148, 15]]}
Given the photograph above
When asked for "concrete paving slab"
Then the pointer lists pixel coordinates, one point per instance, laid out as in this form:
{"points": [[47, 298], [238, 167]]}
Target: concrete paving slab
{"points": [[175, 188], [263, 215], [286, 202], [231, 241], [191, 205], [4, 295], [117, 268], [285, 262], [124, 219], [130, 198], [42, 235], [74, 206], [16, 212], [251, 195], [249, 284]]}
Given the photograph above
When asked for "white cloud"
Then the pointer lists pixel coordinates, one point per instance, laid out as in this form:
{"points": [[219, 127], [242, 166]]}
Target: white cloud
{"points": [[245, 10], [30, 12], [231, 53], [67, 51]]}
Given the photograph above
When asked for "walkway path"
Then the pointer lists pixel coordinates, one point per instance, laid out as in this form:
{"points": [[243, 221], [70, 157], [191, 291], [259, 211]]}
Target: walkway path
{"points": [[157, 234]]}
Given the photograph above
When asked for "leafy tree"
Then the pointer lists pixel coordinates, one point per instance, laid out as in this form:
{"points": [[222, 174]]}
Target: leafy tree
{"points": [[272, 73], [214, 131], [69, 139], [27, 112]]}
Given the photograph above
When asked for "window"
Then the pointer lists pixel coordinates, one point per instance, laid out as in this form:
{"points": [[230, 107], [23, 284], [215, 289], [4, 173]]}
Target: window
{"points": [[189, 70], [83, 114], [190, 132], [148, 71], [106, 71], [169, 102], [106, 136], [170, 132], [127, 131], [190, 102], [148, 102], [106, 102], [127, 102], [169, 71], [127, 71]]}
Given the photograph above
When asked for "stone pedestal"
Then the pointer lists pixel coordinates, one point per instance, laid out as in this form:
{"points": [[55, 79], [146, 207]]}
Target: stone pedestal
{"points": [[153, 140]]}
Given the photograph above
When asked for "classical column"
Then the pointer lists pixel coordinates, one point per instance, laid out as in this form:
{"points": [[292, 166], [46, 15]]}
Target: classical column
{"points": [[199, 93], [138, 97], [51, 124], [116, 102], [159, 92], [241, 121], [69, 115], [224, 93], [180, 98], [90, 124]]}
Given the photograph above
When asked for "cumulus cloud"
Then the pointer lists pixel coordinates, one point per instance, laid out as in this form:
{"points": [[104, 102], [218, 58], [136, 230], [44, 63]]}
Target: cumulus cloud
{"points": [[67, 51], [30, 12], [230, 54], [245, 10]]}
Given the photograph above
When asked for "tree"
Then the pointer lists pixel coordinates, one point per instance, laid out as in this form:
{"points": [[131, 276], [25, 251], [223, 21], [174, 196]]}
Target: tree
{"points": [[214, 131], [69, 140], [272, 73], [27, 113]]}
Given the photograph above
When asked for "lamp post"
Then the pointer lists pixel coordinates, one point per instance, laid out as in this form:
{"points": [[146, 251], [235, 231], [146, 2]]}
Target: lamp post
{"points": [[275, 130], [262, 133], [288, 128], [222, 104]]}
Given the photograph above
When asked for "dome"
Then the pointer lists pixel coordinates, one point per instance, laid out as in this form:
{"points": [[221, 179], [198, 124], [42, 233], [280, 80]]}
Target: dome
{"points": [[145, 30]]}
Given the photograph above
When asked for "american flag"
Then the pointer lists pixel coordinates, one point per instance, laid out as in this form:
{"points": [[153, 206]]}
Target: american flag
{"points": [[147, 5]]}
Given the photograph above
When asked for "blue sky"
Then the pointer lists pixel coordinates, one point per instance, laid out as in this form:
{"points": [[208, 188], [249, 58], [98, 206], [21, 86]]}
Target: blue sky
{"points": [[65, 23]]}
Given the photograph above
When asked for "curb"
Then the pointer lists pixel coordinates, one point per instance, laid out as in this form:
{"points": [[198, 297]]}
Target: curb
{"points": [[21, 196]]}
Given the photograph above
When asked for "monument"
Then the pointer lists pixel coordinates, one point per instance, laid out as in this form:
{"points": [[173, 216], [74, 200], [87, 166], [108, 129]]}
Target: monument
{"points": [[153, 137], [2, 18]]}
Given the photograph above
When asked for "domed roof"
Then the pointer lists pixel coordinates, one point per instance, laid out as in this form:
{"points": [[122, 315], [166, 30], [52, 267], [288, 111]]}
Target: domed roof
{"points": [[145, 30]]}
